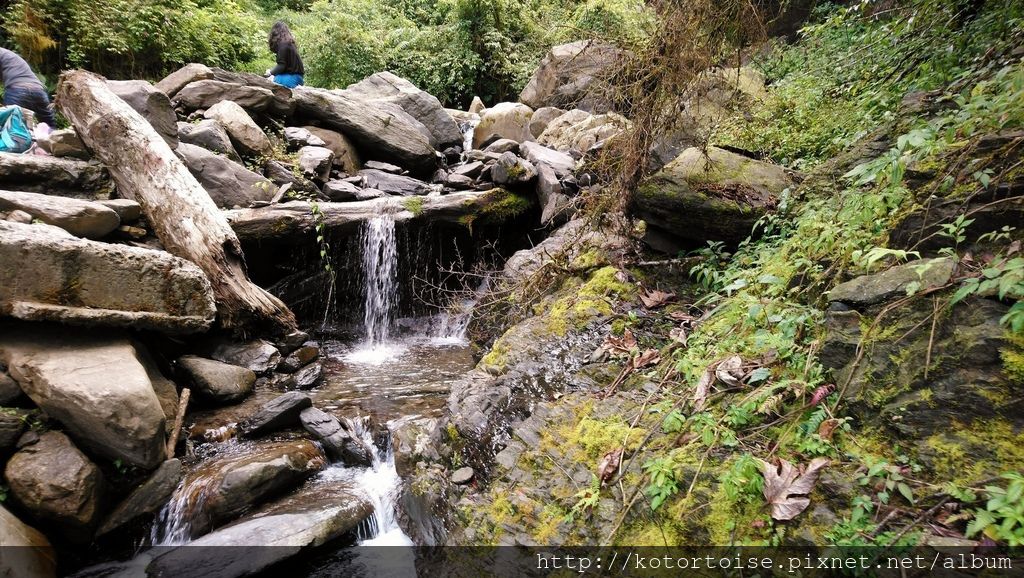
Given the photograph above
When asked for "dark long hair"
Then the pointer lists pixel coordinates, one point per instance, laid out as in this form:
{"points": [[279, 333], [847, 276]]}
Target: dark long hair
{"points": [[279, 36]]}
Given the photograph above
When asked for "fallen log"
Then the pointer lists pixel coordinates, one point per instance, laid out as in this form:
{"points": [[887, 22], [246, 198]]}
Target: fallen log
{"points": [[182, 214], [295, 220]]}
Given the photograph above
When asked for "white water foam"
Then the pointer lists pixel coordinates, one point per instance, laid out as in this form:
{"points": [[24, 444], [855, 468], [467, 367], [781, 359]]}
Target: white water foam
{"points": [[380, 273]]}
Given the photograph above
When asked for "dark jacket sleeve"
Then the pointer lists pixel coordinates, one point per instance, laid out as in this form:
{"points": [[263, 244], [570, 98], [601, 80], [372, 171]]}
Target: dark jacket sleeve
{"points": [[288, 61]]}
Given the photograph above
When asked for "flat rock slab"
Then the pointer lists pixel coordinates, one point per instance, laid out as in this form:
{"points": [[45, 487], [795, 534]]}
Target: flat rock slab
{"points": [[49, 275], [94, 384], [55, 176], [258, 355], [80, 218], [393, 184], [276, 414], [893, 282]]}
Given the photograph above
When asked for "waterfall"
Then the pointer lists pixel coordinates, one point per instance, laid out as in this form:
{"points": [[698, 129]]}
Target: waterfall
{"points": [[468, 131], [453, 324], [379, 248]]}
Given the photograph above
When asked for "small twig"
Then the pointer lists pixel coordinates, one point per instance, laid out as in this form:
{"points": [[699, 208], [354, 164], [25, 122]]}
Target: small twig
{"points": [[172, 441], [931, 336]]}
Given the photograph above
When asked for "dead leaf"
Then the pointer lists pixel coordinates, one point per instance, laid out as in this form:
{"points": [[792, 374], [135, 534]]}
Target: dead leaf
{"points": [[609, 465], [648, 357], [828, 428], [678, 334], [821, 393], [700, 395], [786, 488], [682, 316], [621, 276], [656, 298], [730, 371]]}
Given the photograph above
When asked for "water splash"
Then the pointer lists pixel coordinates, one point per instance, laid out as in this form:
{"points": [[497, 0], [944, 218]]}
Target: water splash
{"points": [[379, 248], [173, 525], [468, 130], [451, 329]]}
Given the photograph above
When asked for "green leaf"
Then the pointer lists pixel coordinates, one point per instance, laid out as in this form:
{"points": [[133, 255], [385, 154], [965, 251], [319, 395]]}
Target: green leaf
{"points": [[758, 375], [906, 491]]}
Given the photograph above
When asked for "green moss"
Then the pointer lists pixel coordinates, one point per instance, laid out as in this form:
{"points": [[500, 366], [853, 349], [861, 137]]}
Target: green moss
{"points": [[730, 522], [414, 205], [1013, 358], [593, 298], [965, 454], [496, 360], [503, 206]]}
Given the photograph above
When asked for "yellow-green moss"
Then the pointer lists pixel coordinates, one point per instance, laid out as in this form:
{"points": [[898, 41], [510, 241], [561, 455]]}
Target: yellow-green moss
{"points": [[504, 205], [955, 460], [496, 360], [593, 298], [414, 205], [1013, 358]]}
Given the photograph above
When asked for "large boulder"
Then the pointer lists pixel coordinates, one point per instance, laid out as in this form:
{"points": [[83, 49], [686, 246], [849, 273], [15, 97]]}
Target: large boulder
{"points": [[717, 197], [248, 137], [424, 107], [542, 117], [281, 106], [512, 170], [415, 439], [573, 76], [228, 183], [151, 103], [218, 381], [57, 484], [339, 441], [50, 275], [203, 94], [54, 176], [509, 120], [27, 551], [580, 131], [80, 218], [93, 384], [64, 143], [257, 355], [175, 81], [281, 412], [316, 162], [346, 158], [382, 131], [210, 135], [145, 500], [393, 184], [562, 164]]}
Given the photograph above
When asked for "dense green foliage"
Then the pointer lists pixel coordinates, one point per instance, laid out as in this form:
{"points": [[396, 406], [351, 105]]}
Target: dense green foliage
{"points": [[454, 48]]}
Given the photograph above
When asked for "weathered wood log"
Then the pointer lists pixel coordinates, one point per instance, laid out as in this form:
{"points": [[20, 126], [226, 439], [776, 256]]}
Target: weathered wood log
{"points": [[294, 220], [184, 218], [179, 418]]}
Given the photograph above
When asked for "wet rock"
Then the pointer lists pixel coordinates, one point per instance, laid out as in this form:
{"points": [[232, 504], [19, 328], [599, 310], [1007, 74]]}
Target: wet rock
{"points": [[145, 500], [393, 184], [441, 129], [462, 476], [316, 162], [12, 424], [298, 137], [182, 77], [893, 282], [502, 145], [71, 376], [27, 552], [57, 484], [280, 413], [538, 154], [80, 218], [414, 441], [52, 175], [542, 117], [246, 135], [291, 342], [204, 94], [578, 131], [258, 355], [342, 191], [510, 120], [218, 381], [64, 143], [512, 170], [380, 131], [718, 197], [346, 158], [340, 441], [308, 376], [128, 210], [152, 104], [50, 275], [571, 75], [234, 484], [299, 358], [210, 135], [228, 183]]}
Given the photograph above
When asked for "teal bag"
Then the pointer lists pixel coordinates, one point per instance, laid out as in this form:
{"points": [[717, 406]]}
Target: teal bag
{"points": [[14, 134]]}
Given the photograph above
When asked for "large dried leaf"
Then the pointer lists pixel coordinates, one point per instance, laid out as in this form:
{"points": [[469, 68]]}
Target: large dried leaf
{"points": [[685, 318], [730, 371], [609, 465], [648, 357], [614, 345], [656, 298], [700, 395], [786, 487]]}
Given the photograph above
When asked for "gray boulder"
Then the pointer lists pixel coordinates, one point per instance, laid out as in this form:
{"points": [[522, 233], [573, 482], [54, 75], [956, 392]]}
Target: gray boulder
{"points": [[64, 143], [127, 210], [386, 167], [298, 137], [28, 552], [393, 184], [471, 169], [381, 131], [204, 94], [512, 170], [182, 77], [316, 162], [57, 485], [509, 120], [218, 381], [210, 135], [50, 275], [538, 154], [415, 440], [257, 355], [501, 146], [152, 104], [248, 137], [279, 413], [299, 358], [553, 202], [93, 384], [80, 218], [346, 158], [228, 183], [422, 106], [340, 191], [52, 175], [281, 106], [542, 117], [145, 500], [281, 174], [308, 376], [893, 282], [340, 442], [573, 75]]}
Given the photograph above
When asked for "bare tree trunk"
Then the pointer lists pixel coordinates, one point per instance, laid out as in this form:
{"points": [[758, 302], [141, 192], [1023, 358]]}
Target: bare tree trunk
{"points": [[180, 211]]}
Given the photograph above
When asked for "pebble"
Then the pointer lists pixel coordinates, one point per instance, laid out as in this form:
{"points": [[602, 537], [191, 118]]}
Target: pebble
{"points": [[462, 475]]}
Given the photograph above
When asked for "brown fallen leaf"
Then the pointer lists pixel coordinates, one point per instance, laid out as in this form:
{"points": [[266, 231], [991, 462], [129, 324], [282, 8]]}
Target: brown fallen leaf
{"points": [[730, 371], [656, 298], [700, 394], [648, 357], [828, 428], [683, 317], [609, 465], [786, 487], [623, 344]]}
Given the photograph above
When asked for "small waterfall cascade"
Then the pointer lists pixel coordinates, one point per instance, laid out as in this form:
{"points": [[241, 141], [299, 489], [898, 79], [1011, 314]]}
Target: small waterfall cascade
{"points": [[468, 131], [173, 525], [453, 323], [379, 249]]}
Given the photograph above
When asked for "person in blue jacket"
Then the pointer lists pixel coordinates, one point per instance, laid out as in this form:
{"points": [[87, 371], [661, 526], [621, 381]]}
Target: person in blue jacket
{"points": [[289, 69], [23, 88]]}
